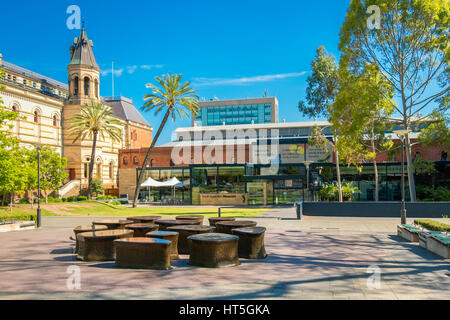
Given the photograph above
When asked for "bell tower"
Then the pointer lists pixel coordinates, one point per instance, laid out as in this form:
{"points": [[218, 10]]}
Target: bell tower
{"points": [[84, 79]]}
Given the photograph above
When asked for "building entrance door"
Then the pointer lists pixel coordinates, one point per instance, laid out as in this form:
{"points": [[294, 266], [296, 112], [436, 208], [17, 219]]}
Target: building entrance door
{"points": [[71, 174]]}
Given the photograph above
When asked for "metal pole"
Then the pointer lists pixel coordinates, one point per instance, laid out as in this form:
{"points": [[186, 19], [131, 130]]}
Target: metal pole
{"points": [[219, 213], [38, 215], [403, 211]]}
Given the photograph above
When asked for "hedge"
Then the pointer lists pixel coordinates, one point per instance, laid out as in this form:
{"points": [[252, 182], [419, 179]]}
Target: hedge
{"points": [[433, 225], [18, 216]]}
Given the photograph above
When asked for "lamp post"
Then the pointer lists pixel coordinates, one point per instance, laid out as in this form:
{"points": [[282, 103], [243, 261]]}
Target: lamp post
{"points": [[402, 135], [38, 215], [307, 164]]}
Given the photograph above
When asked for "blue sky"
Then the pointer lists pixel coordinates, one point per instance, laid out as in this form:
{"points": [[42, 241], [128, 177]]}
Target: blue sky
{"points": [[228, 49]]}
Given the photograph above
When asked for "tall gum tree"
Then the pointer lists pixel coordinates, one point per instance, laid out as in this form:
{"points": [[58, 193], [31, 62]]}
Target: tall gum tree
{"points": [[410, 47]]}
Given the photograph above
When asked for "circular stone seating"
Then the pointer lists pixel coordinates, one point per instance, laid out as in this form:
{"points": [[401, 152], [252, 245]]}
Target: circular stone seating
{"points": [[113, 224], [144, 219], [81, 229], [99, 245], [191, 218], [227, 226], [213, 250], [164, 224], [167, 235], [143, 253], [251, 242], [214, 220], [140, 229], [186, 231]]}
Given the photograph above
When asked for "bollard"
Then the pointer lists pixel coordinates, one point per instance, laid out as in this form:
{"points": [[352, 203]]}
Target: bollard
{"points": [[219, 214], [299, 207]]}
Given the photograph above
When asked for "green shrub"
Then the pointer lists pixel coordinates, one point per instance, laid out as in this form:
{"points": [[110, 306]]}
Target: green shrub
{"points": [[53, 200], [330, 192], [97, 187], [64, 199], [426, 193], [432, 225], [71, 199], [81, 198], [18, 216], [115, 203], [106, 198], [24, 201]]}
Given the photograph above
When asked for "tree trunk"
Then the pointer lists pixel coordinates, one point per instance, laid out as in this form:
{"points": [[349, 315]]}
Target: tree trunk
{"points": [[3, 200], [144, 164], [46, 196], [411, 183], [91, 165], [375, 167], [338, 170], [11, 201]]}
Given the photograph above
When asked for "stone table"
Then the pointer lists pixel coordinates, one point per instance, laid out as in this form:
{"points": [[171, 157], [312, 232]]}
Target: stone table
{"points": [[213, 250], [214, 220], [227, 226], [99, 245], [143, 253], [113, 224], [86, 228], [191, 217], [164, 224], [185, 232], [144, 219], [167, 235], [251, 242], [140, 229]]}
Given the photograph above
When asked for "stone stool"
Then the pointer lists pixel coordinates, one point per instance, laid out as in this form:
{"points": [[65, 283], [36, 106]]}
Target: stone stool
{"points": [[251, 242], [140, 229], [164, 224], [167, 235], [113, 224], [185, 232], [99, 245], [143, 253], [191, 217], [81, 229], [213, 250], [144, 219], [214, 220], [227, 226]]}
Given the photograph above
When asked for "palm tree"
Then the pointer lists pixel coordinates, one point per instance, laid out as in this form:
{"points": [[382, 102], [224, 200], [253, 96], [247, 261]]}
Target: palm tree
{"points": [[94, 120], [178, 99]]}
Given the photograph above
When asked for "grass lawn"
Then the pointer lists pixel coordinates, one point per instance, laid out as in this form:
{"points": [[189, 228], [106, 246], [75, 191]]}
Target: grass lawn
{"points": [[99, 209]]}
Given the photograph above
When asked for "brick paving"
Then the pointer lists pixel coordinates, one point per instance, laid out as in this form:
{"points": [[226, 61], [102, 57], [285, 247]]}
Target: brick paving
{"points": [[316, 258]]}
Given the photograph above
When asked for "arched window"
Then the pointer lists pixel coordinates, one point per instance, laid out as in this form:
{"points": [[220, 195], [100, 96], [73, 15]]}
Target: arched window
{"points": [[111, 170], [14, 108], [75, 86], [443, 156], [55, 121], [152, 162], [85, 170], [125, 160], [135, 160], [87, 86], [36, 116], [96, 88]]}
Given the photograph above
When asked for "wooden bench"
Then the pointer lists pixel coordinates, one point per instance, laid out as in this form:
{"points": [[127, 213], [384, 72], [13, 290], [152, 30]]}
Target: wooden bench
{"points": [[144, 219], [439, 244], [143, 253], [167, 235], [186, 231], [140, 229], [408, 232], [164, 224], [214, 220], [191, 217], [99, 245], [213, 250], [81, 229], [251, 242], [113, 224], [227, 226]]}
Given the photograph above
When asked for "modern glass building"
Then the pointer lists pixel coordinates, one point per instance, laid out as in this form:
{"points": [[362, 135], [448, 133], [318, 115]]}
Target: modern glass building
{"points": [[233, 112], [248, 184]]}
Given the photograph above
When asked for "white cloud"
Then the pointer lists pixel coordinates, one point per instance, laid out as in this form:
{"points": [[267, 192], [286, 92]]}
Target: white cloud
{"points": [[131, 69], [117, 72], [148, 67], [245, 80]]}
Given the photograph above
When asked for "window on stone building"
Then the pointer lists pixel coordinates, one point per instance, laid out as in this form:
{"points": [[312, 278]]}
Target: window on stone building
{"points": [[75, 86], [55, 121], [96, 88], [152, 162], [36, 117], [87, 86], [135, 160], [85, 170], [444, 156], [125, 160], [111, 170]]}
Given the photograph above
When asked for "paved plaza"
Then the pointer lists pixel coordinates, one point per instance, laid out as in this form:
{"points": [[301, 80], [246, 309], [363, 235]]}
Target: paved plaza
{"points": [[315, 258]]}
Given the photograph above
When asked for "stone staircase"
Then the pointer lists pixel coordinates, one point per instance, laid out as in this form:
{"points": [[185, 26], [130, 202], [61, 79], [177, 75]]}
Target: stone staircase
{"points": [[71, 188]]}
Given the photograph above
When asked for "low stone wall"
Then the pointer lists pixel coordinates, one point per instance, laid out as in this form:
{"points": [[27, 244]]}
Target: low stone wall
{"points": [[376, 209], [18, 226]]}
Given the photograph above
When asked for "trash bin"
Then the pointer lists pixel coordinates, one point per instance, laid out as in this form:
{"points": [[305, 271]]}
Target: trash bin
{"points": [[299, 207]]}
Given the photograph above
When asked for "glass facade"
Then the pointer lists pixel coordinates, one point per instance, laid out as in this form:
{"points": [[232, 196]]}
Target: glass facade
{"points": [[284, 183], [240, 114]]}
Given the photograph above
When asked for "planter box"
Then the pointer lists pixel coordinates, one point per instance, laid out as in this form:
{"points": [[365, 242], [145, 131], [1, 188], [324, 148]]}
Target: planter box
{"points": [[423, 238], [408, 233], [18, 226], [438, 246]]}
